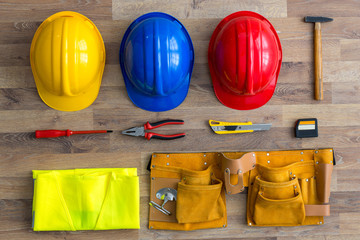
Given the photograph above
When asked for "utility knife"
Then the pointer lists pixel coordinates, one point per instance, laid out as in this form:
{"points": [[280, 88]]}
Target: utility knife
{"points": [[237, 127]]}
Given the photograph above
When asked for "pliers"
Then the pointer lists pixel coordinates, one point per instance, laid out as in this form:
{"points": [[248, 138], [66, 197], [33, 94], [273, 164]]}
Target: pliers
{"points": [[140, 131]]}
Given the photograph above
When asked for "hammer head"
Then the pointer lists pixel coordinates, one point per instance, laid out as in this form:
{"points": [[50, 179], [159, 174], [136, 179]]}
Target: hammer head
{"points": [[317, 19]]}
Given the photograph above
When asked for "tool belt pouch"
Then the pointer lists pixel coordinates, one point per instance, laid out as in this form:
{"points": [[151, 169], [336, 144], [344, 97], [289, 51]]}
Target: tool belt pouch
{"points": [[277, 204], [287, 188], [200, 201]]}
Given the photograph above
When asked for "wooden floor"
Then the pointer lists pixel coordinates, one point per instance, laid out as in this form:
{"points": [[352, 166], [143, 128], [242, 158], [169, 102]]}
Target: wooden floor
{"points": [[22, 111]]}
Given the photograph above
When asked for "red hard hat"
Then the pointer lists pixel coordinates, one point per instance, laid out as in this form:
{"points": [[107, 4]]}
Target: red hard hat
{"points": [[244, 59]]}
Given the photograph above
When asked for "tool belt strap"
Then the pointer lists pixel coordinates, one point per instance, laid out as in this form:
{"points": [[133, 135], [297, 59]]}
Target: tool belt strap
{"points": [[236, 166], [317, 210]]}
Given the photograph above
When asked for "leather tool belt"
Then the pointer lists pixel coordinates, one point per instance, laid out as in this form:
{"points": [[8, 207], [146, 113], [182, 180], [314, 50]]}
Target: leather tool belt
{"points": [[285, 188]]}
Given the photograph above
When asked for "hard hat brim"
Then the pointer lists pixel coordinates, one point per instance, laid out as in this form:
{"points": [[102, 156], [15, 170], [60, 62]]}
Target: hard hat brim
{"points": [[69, 103], [244, 102], [156, 103]]}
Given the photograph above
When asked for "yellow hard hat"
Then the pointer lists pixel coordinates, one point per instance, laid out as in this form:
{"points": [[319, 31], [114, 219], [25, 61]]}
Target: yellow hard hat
{"points": [[67, 59]]}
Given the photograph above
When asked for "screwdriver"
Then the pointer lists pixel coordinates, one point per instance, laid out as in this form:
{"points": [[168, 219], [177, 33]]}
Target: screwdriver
{"points": [[60, 133]]}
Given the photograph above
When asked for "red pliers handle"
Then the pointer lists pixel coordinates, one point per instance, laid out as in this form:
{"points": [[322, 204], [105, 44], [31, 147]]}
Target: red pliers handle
{"points": [[150, 126], [151, 135]]}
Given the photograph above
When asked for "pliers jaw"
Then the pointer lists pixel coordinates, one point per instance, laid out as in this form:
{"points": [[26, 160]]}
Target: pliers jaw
{"points": [[135, 131]]}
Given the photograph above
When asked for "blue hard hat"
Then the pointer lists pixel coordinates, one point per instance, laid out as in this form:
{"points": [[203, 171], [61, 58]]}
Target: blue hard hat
{"points": [[156, 59]]}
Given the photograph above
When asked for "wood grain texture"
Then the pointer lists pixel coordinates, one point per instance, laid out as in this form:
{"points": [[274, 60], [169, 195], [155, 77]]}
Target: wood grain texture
{"points": [[22, 111], [125, 9], [349, 49], [323, 8], [12, 11], [349, 223]]}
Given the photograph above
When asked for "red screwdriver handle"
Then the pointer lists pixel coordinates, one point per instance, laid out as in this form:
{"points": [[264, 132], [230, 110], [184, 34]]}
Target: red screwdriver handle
{"points": [[149, 126], [52, 133], [150, 135]]}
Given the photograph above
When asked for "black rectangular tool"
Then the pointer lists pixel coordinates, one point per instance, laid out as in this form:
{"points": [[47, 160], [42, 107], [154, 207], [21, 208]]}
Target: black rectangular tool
{"points": [[306, 128]]}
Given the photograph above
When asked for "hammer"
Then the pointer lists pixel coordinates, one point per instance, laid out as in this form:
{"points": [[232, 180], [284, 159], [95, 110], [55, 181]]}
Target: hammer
{"points": [[318, 54]]}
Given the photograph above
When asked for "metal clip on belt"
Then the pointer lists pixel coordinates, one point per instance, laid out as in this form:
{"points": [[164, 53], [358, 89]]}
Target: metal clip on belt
{"points": [[236, 166]]}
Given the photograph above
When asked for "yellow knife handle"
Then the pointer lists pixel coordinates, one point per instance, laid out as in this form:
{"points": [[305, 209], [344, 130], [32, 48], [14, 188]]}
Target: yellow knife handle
{"points": [[219, 123]]}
